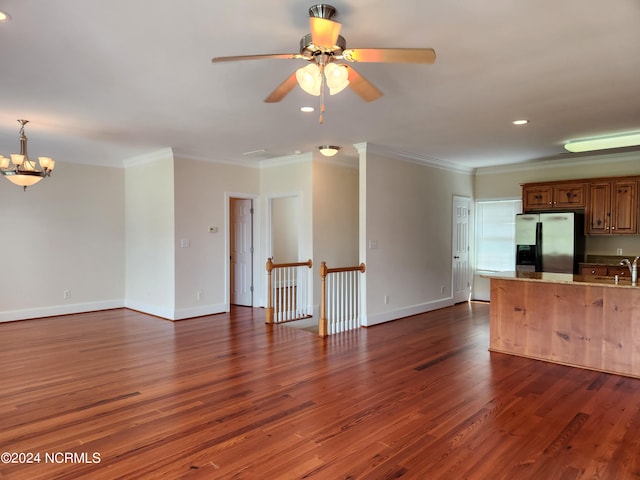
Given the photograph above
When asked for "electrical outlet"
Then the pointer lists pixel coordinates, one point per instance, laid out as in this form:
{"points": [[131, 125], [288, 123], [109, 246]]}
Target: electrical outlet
{"points": [[66, 294], [619, 251], [386, 299], [199, 295]]}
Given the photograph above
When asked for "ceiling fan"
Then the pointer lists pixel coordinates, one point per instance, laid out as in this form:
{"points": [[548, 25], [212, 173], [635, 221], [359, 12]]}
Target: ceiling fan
{"points": [[325, 48]]}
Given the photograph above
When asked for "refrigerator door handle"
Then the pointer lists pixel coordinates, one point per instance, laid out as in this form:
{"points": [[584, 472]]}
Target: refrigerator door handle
{"points": [[539, 247]]}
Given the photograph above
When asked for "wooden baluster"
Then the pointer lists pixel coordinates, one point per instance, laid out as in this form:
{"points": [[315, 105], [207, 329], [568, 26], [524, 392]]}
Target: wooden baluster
{"points": [[322, 323], [269, 311]]}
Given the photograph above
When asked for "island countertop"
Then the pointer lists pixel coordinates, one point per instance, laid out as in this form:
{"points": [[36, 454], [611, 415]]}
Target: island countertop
{"points": [[575, 320], [566, 278]]}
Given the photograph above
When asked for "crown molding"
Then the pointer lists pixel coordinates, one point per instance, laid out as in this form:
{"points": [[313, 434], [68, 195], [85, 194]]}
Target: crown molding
{"points": [[412, 157], [162, 154], [561, 162]]}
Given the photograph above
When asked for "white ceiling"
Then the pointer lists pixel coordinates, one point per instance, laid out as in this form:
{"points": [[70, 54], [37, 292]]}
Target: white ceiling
{"points": [[105, 81]]}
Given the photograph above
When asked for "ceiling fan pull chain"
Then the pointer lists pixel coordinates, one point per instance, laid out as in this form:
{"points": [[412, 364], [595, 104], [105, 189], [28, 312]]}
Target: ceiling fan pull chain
{"points": [[321, 120]]}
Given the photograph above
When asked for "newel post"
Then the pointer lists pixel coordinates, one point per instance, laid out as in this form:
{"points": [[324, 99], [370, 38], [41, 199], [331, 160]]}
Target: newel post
{"points": [[322, 323], [269, 292]]}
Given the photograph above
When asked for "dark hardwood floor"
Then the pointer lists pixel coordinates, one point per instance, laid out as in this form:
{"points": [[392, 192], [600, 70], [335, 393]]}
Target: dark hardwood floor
{"points": [[119, 394]]}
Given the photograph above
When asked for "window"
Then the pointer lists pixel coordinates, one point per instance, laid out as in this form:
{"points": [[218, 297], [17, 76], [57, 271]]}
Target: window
{"points": [[496, 234]]}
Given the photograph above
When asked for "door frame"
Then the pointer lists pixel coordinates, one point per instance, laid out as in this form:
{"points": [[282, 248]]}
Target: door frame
{"points": [[258, 296]]}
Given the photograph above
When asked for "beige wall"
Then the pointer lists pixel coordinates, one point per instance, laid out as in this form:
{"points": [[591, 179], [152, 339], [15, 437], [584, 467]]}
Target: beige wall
{"points": [[149, 219], [407, 214], [112, 236], [202, 192], [285, 219], [289, 177], [335, 216], [64, 233]]}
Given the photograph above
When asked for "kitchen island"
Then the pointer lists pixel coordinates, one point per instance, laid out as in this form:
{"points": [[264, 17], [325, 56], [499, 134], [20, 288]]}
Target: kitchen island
{"points": [[577, 320]]}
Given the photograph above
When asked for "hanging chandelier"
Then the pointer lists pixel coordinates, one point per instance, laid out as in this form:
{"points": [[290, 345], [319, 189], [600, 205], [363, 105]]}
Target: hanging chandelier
{"points": [[22, 171]]}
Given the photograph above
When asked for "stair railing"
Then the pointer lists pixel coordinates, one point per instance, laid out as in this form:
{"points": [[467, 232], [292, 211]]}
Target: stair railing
{"points": [[287, 291], [340, 299]]}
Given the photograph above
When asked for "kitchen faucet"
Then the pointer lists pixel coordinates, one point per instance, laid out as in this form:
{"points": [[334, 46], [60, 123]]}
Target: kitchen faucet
{"points": [[633, 268]]}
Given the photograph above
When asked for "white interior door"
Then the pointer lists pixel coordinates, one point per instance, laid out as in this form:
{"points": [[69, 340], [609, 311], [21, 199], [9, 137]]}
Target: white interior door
{"points": [[241, 242], [460, 248]]}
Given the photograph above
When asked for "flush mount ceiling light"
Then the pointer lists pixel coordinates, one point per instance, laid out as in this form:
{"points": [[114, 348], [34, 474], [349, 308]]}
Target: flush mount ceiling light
{"points": [[520, 122], [4, 16], [307, 109], [603, 143], [328, 150], [22, 171]]}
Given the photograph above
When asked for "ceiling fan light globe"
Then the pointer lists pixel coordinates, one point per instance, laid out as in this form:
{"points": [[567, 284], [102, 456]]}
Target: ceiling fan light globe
{"points": [[309, 78], [337, 77]]}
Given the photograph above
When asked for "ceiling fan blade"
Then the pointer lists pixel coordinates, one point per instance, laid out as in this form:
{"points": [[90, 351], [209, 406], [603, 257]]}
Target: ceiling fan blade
{"points": [[363, 87], [324, 32], [283, 89], [286, 56], [390, 55]]}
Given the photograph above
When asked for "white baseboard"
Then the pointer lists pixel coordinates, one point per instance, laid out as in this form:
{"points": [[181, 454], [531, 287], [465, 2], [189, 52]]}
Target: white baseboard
{"points": [[162, 312], [199, 311], [55, 310], [389, 315]]}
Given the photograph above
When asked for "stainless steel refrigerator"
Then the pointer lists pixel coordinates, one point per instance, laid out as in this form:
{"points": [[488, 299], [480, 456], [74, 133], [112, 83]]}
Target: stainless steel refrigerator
{"points": [[549, 242]]}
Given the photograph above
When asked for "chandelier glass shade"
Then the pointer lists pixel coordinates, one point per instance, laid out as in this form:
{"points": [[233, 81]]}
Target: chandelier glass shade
{"points": [[20, 170], [310, 78]]}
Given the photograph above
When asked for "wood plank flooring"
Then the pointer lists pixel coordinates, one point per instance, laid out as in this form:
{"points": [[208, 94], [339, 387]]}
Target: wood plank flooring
{"points": [[119, 394]]}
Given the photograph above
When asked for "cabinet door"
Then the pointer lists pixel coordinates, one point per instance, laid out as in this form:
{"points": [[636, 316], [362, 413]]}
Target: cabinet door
{"points": [[569, 195], [537, 197], [623, 207], [599, 209]]}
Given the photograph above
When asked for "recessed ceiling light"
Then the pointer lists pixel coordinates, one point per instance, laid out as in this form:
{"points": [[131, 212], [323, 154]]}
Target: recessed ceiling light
{"points": [[4, 17], [307, 109], [520, 122], [603, 143]]}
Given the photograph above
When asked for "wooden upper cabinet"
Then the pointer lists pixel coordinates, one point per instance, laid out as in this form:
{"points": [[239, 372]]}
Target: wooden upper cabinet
{"points": [[566, 196], [612, 208], [537, 197], [570, 195], [611, 204], [623, 207], [599, 209]]}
